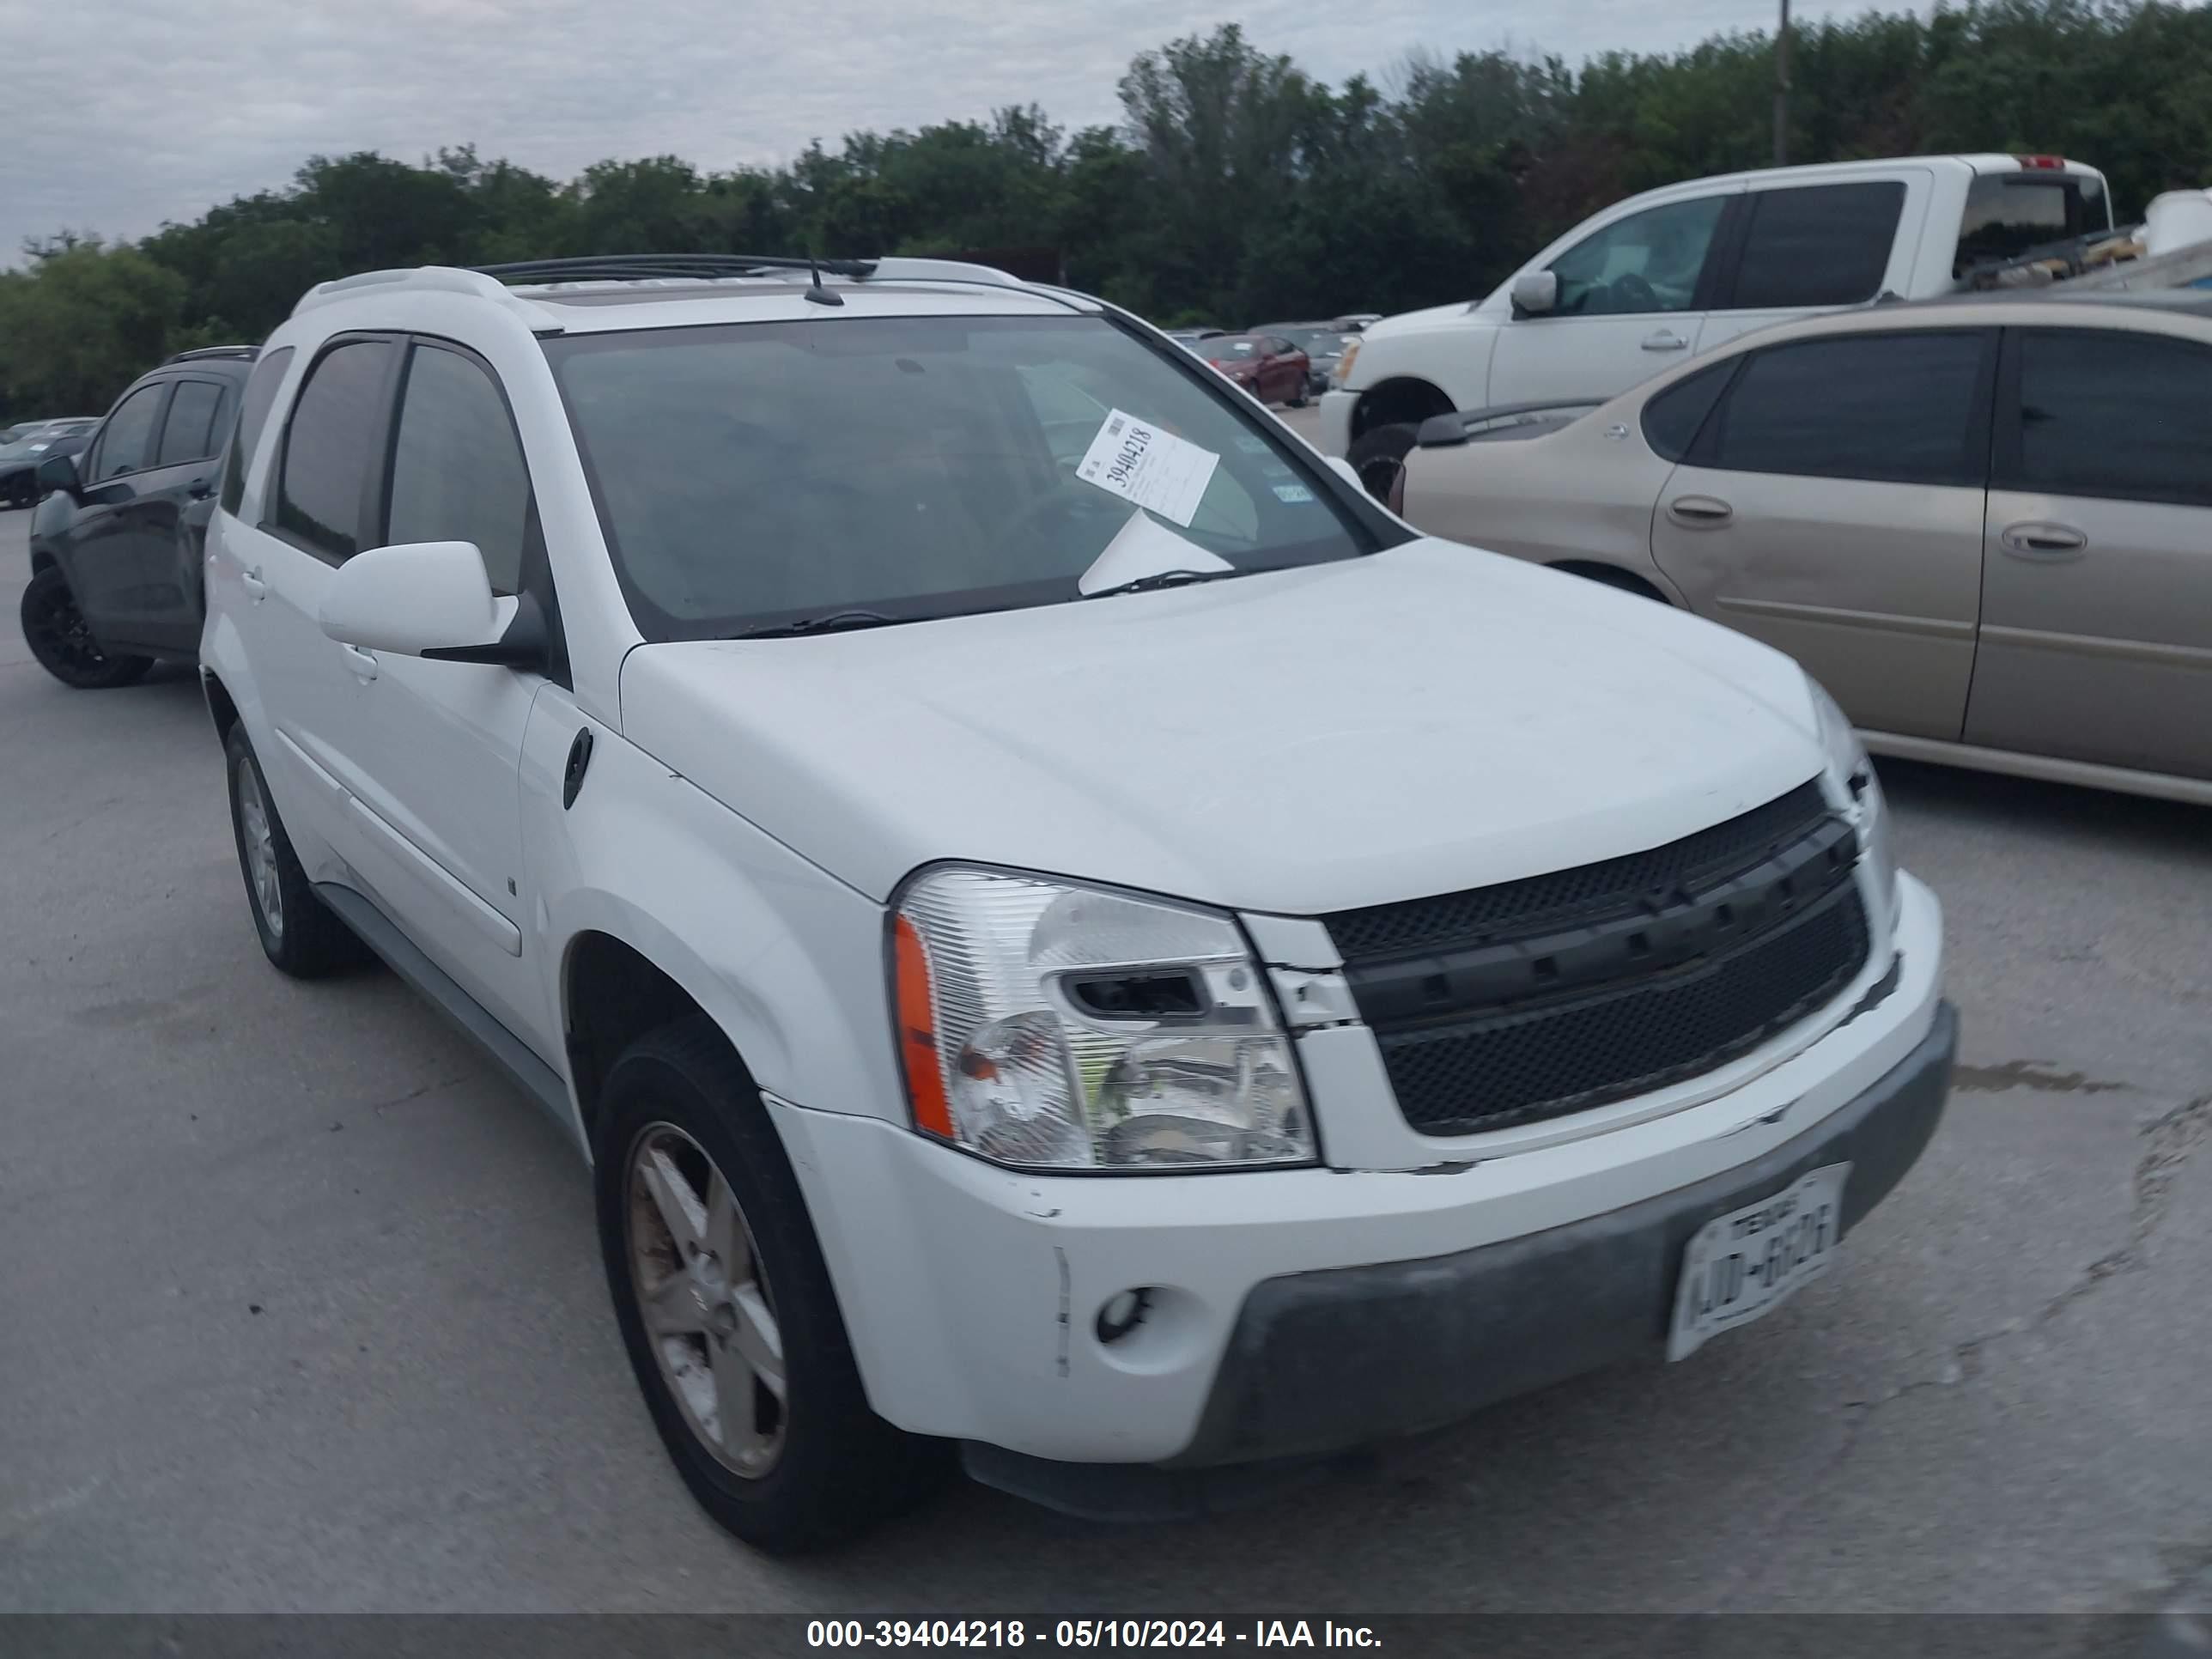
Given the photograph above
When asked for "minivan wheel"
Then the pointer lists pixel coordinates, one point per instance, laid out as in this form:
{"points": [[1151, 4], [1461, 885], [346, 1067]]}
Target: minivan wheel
{"points": [[727, 1310], [301, 935], [62, 641]]}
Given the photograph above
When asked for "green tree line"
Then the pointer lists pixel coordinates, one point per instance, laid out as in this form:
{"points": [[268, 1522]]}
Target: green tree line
{"points": [[1237, 185]]}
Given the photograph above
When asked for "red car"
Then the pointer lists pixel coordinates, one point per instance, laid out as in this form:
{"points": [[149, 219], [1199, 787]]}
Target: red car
{"points": [[1267, 366]]}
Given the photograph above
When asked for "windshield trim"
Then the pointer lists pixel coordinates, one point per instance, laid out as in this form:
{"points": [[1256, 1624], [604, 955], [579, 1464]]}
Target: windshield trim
{"points": [[1366, 525]]}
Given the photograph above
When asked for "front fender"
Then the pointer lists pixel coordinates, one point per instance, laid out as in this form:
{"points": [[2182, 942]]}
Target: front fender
{"points": [[788, 960]]}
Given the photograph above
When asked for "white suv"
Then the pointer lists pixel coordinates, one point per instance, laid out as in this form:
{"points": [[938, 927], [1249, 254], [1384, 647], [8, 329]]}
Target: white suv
{"points": [[1064, 930]]}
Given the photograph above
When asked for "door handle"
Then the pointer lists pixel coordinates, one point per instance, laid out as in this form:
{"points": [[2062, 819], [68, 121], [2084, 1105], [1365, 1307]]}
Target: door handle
{"points": [[1699, 511], [255, 587], [2042, 541], [363, 663], [1665, 340], [198, 490]]}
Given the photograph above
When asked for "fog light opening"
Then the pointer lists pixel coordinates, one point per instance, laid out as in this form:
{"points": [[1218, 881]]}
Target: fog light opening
{"points": [[1120, 1314]]}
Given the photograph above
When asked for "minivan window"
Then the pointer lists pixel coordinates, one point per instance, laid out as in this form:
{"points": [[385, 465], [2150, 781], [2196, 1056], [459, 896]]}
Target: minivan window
{"points": [[458, 473], [1649, 261], [1817, 245], [253, 415], [188, 429], [748, 475], [126, 442], [2009, 213], [335, 432], [1899, 408], [2108, 414]]}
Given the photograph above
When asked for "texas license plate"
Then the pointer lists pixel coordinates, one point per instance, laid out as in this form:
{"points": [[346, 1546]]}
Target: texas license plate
{"points": [[1748, 1262]]}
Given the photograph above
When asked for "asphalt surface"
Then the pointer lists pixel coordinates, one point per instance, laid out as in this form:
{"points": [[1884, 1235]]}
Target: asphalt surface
{"points": [[300, 1306]]}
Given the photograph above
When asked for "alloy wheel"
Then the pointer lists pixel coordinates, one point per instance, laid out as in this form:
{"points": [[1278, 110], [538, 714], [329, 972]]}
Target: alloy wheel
{"points": [[709, 1317], [257, 834]]}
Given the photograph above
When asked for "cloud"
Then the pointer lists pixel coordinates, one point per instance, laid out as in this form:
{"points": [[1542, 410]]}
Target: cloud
{"points": [[144, 118]]}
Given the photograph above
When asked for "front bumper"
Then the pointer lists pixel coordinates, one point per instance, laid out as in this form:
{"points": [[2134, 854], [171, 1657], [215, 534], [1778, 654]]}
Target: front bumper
{"points": [[1334, 436], [1302, 1311]]}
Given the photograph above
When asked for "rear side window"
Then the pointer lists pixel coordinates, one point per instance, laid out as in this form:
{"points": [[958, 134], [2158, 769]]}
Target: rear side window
{"points": [[2113, 415], [336, 430], [458, 473], [1673, 419], [2008, 214], [1819, 245], [188, 429], [1896, 408], [252, 414], [126, 441]]}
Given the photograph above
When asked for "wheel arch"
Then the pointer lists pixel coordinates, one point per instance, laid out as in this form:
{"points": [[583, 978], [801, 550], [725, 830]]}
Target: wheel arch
{"points": [[1400, 399], [1612, 576]]}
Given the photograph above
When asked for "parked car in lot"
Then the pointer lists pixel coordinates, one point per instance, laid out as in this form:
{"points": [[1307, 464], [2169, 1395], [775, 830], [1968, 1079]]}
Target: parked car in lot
{"points": [[1323, 344], [116, 545], [1673, 272], [1269, 367], [898, 846], [19, 456], [1985, 523]]}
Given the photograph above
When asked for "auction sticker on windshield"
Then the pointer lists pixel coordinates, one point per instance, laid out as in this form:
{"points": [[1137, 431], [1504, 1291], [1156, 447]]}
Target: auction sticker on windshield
{"points": [[1147, 466], [1747, 1262]]}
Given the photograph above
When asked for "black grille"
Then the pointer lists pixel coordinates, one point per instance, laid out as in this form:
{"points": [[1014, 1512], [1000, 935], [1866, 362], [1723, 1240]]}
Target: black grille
{"points": [[1589, 892], [1514, 1067], [1537, 998]]}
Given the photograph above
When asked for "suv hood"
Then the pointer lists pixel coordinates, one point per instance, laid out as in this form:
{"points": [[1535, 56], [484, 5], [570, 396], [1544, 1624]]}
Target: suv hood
{"points": [[1425, 719]]}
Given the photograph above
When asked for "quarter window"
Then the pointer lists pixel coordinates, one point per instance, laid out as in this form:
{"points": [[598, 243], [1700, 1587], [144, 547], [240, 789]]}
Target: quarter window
{"points": [[188, 429], [2114, 415], [128, 437], [1819, 244], [1899, 408], [1649, 261], [457, 474], [336, 431], [253, 415], [1673, 419]]}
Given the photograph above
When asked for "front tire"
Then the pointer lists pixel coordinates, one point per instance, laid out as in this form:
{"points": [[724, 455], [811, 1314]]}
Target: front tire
{"points": [[60, 638], [300, 934], [726, 1309], [1379, 455]]}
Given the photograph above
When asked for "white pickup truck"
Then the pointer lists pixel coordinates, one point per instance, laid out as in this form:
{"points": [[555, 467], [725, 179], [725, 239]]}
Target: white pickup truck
{"points": [[1686, 268]]}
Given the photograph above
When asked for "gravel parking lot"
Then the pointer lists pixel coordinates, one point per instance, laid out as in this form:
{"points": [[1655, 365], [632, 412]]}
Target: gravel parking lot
{"points": [[301, 1306]]}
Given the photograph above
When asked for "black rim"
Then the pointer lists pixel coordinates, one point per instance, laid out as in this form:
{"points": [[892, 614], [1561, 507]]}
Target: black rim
{"points": [[59, 631]]}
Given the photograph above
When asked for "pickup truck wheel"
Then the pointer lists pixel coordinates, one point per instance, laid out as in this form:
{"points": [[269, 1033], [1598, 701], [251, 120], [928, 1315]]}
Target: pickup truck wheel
{"points": [[302, 935], [1379, 455], [726, 1308], [61, 640]]}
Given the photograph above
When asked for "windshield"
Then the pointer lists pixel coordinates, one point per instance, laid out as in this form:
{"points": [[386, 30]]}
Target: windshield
{"points": [[1232, 348], [751, 475]]}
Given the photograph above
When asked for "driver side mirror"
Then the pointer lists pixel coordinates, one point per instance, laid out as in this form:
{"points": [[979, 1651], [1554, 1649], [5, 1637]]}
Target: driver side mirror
{"points": [[430, 600], [59, 472], [1535, 293]]}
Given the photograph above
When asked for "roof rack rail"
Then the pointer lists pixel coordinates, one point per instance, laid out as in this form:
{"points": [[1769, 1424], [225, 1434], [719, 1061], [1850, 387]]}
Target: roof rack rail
{"points": [[650, 267], [199, 354]]}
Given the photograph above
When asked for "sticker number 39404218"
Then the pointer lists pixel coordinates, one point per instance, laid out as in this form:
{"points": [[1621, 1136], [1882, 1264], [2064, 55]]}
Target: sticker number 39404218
{"points": [[1148, 467]]}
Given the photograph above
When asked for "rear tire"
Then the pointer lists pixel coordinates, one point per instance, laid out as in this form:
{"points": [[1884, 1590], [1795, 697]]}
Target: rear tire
{"points": [[782, 1451], [300, 934], [1378, 454], [62, 641]]}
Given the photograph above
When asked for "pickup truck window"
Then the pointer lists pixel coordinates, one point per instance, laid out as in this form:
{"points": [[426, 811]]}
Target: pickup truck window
{"points": [[1894, 408], [1649, 261], [2008, 214], [1817, 245], [750, 474], [2119, 415]]}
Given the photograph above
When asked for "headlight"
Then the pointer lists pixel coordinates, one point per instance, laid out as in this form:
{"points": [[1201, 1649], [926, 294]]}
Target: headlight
{"points": [[1854, 768], [1053, 1026], [1343, 372]]}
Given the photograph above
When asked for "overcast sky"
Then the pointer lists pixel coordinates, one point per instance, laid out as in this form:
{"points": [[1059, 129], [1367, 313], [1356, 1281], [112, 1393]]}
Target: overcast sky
{"points": [[125, 113]]}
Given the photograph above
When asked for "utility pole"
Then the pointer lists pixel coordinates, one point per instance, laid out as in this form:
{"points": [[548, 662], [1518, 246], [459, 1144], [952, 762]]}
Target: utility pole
{"points": [[1782, 90]]}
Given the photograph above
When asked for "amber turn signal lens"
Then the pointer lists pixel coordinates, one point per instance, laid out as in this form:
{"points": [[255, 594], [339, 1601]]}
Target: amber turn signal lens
{"points": [[917, 1033]]}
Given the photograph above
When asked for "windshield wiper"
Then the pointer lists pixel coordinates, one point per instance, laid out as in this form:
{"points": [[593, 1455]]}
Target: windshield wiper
{"points": [[832, 622], [1160, 579]]}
